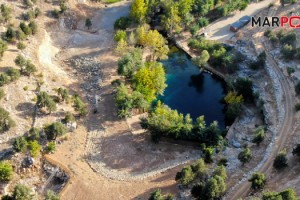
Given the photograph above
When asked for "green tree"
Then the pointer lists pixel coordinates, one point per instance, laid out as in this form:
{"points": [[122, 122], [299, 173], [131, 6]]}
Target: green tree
{"points": [[123, 101], [88, 23], [10, 35], [120, 35], [69, 118], [34, 148], [51, 195], [55, 130], [3, 48], [258, 181], [201, 60], [63, 93], [122, 23], [185, 176], [150, 80], [208, 154], [25, 28], [280, 161], [21, 46], [130, 63], [33, 27], [296, 150], [51, 147], [220, 171], [5, 13], [20, 144], [14, 74], [171, 21], [297, 88], [34, 134], [2, 93], [259, 136], [156, 195], [244, 86], [138, 10], [45, 100], [245, 156], [6, 171], [5, 120], [22, 192], [288, 194], [79, 106], [215, 187]]}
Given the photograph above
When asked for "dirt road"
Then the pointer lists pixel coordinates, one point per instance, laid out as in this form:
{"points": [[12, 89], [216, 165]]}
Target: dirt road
{"points": [[286, 128]]}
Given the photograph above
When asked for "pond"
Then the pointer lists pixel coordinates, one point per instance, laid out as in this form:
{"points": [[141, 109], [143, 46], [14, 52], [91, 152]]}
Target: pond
{"points": [[193, 92]]}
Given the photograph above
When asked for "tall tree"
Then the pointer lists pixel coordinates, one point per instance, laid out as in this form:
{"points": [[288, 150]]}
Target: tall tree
{"points": [[138, 10]]}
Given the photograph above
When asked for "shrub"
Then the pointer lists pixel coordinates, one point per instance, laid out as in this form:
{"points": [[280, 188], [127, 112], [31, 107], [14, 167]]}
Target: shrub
{"points": [[5, 13], [69, 118], [29, 68], [34, 148], [258, 181], [20, 34], [203, 21], [259, 136], [120, 35], [22, 192], [122, 23], [51, 147], [21, 46], [54, 130], [51, 195], [20, 61], [297, 107], [5, 121], [4, 79], [297, 88], [280, 161], [33, 26], [245, 156], [25, 28], [2, 93], [290, 70], [10, 35], [79, 106], [55, 13], [194, 29], [20, 144], [34, 134], [14, 74], [88, 23], [6, 171], [44, 100], [3, 48]]}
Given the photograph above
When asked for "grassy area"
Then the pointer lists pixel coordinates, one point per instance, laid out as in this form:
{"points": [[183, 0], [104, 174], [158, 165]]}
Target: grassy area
{"points": [[112, 1]]}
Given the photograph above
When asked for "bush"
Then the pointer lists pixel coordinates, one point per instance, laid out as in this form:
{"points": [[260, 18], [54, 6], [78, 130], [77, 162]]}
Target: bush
{"points": [[194, 29], [63, 6], [120, 35], [88, 23], [54, 130], [51, 195], [51, 147], [2, 93], [34, 134], [203, 21], [10, 35], [33, 26], [69, 118], [258, 181], [280, 161], [34, 148], [6, 171], [288, 194], [297, 88], [297, 107], [4, 79], [79, 106], [14, 74], [44, 100], [245, 156], [55, 13], [122, 23], [21, 46], [5, 13], [25, 28], [3, 48], [5, 121], [290, 70], [22, 192], [259, 136], [20, 144]]}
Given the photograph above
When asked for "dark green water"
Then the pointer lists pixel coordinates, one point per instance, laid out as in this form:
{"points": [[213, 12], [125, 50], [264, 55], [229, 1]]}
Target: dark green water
{"points": [[192, 91]]}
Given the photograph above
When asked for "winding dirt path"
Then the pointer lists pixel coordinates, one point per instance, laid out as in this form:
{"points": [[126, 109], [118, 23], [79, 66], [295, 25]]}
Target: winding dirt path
{"points": [[286, 128]]}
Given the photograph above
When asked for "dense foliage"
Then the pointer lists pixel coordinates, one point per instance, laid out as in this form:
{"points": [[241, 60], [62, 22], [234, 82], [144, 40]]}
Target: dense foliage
{"points": [[258, 181], [288, 194], [280, 161], [5, 120], [6, 171], [165, 122]]}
